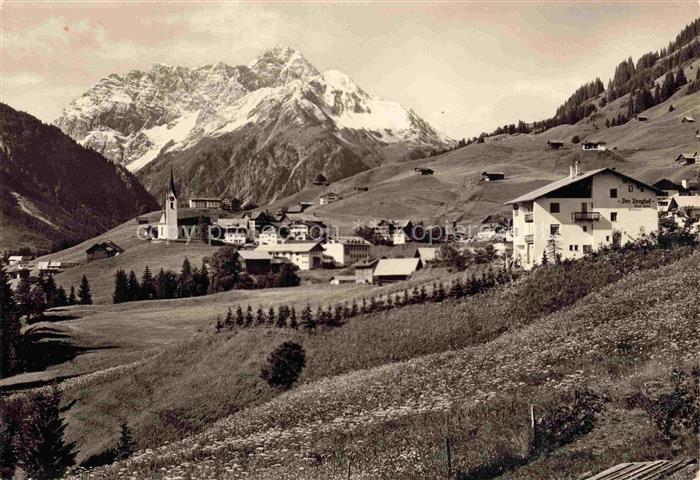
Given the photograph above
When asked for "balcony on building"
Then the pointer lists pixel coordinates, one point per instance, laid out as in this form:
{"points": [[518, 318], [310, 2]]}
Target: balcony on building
{"points": [[530, 238], [585, 216], [528, 217]]}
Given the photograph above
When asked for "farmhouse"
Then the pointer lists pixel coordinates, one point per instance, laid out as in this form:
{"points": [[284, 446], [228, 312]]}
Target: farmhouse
{"points": [[687, 120], [347, 250], [234, 231], [103, 250], [555, 144], [259, 220], [205, 203], [685, 203], [579, 213], [391, 270], [52, 267], [360, 189], [686, 159], [492, 176], [642, 118], [19, 260], [305, 255], [328, 198], [592, 145], [423, 171], [254, 262]]}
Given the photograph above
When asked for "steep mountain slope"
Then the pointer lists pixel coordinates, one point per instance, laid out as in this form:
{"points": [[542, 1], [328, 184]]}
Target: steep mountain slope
{"points": [[258, 131], [53, 189]]}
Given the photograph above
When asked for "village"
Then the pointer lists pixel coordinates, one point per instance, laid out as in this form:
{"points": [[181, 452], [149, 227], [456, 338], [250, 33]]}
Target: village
{"points": [[565, 219]]}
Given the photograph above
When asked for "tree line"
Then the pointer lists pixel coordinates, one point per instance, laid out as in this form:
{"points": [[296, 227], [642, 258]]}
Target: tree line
{"points": [[36, 295], [222, 272]]}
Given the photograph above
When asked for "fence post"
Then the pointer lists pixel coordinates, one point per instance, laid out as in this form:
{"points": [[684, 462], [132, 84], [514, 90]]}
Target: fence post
{"points": [[449, 457]]}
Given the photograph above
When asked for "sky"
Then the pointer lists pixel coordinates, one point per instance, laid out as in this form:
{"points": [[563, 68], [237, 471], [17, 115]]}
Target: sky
{"points": [[466, 67]]}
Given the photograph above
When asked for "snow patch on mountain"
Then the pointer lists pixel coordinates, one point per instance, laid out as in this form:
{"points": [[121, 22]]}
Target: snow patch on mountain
{"points": [[162, 135]]}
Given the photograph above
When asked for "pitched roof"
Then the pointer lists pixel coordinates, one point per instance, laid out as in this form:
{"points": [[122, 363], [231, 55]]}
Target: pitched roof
{"points": [[686, 201], [556, 185], [687, 156], [253, 255], [397, 266], [657, 469], [427, 254], [232, 222], [292, 247], [666, 184]]}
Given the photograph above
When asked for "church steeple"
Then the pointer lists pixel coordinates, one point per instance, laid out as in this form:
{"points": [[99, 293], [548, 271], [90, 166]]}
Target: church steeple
{"points": [[172, 190]]}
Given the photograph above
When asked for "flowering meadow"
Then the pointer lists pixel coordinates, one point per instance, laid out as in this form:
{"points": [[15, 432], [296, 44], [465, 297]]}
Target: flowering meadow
{"points": [[577, 363]]}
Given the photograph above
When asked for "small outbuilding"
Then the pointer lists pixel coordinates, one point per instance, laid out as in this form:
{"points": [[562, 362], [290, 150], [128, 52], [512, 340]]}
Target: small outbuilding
{"points": [[390, 270], [492, 176], [423, 170], [642, 118], [555, 144], [686, 159], [594, 146], [687, 120], [254, 262], [426, 255]]}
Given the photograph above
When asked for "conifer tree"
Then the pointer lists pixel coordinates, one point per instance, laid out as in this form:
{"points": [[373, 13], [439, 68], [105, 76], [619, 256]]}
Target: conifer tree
{"points": [[84, 295], [364, 308], [61, 299], [260, 317], [337, 315], [121, 293], [320, 316], [457, 289], [240, 318], [126, 446], [293, 323], [184, 280], [271, 316], [346, 310], [10, 328], [133, 288], [48, 287], [680, 78], [307, 320], [149, 290], [354, 310], [228, 321], [422, 294], [249, 316], [23, 296], [43, 453], [72, 300], [282, 313]]}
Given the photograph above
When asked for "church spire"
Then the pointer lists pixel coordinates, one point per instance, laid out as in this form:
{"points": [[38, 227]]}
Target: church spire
{"points": [[172, 183]]}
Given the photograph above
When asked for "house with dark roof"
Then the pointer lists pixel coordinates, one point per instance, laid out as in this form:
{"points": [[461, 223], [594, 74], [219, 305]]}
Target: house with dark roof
{"points": [[102, 250], [686, 159], [555, 144], [423, 170], [305, 255], [687, 119], [580, 213], [254, 262], [668, 189]]}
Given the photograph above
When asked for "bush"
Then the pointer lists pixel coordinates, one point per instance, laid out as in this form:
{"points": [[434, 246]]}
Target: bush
{"points": [[284, 365], [575, 139]]}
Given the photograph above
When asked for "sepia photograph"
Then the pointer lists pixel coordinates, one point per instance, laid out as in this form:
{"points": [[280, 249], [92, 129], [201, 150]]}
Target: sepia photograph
{"points": [[349, 240]]}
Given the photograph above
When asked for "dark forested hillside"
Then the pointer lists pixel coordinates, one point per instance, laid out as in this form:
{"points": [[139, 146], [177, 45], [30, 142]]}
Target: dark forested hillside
{"points": [[653, 79], [52, 190]]}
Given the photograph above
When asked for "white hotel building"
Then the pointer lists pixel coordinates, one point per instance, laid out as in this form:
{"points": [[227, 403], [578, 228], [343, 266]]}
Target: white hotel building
{"points": [[580, 213]]}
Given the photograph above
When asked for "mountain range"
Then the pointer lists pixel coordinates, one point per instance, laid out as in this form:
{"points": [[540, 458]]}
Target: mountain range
{"points": [[53, 190], [257, 132]]}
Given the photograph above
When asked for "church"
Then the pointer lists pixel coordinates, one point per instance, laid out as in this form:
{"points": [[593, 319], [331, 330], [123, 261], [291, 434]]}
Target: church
{"points": [[168, 228]]}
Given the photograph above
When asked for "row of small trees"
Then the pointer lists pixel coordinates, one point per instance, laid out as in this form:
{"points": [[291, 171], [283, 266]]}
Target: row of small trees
{"points": [[285, 316]]}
